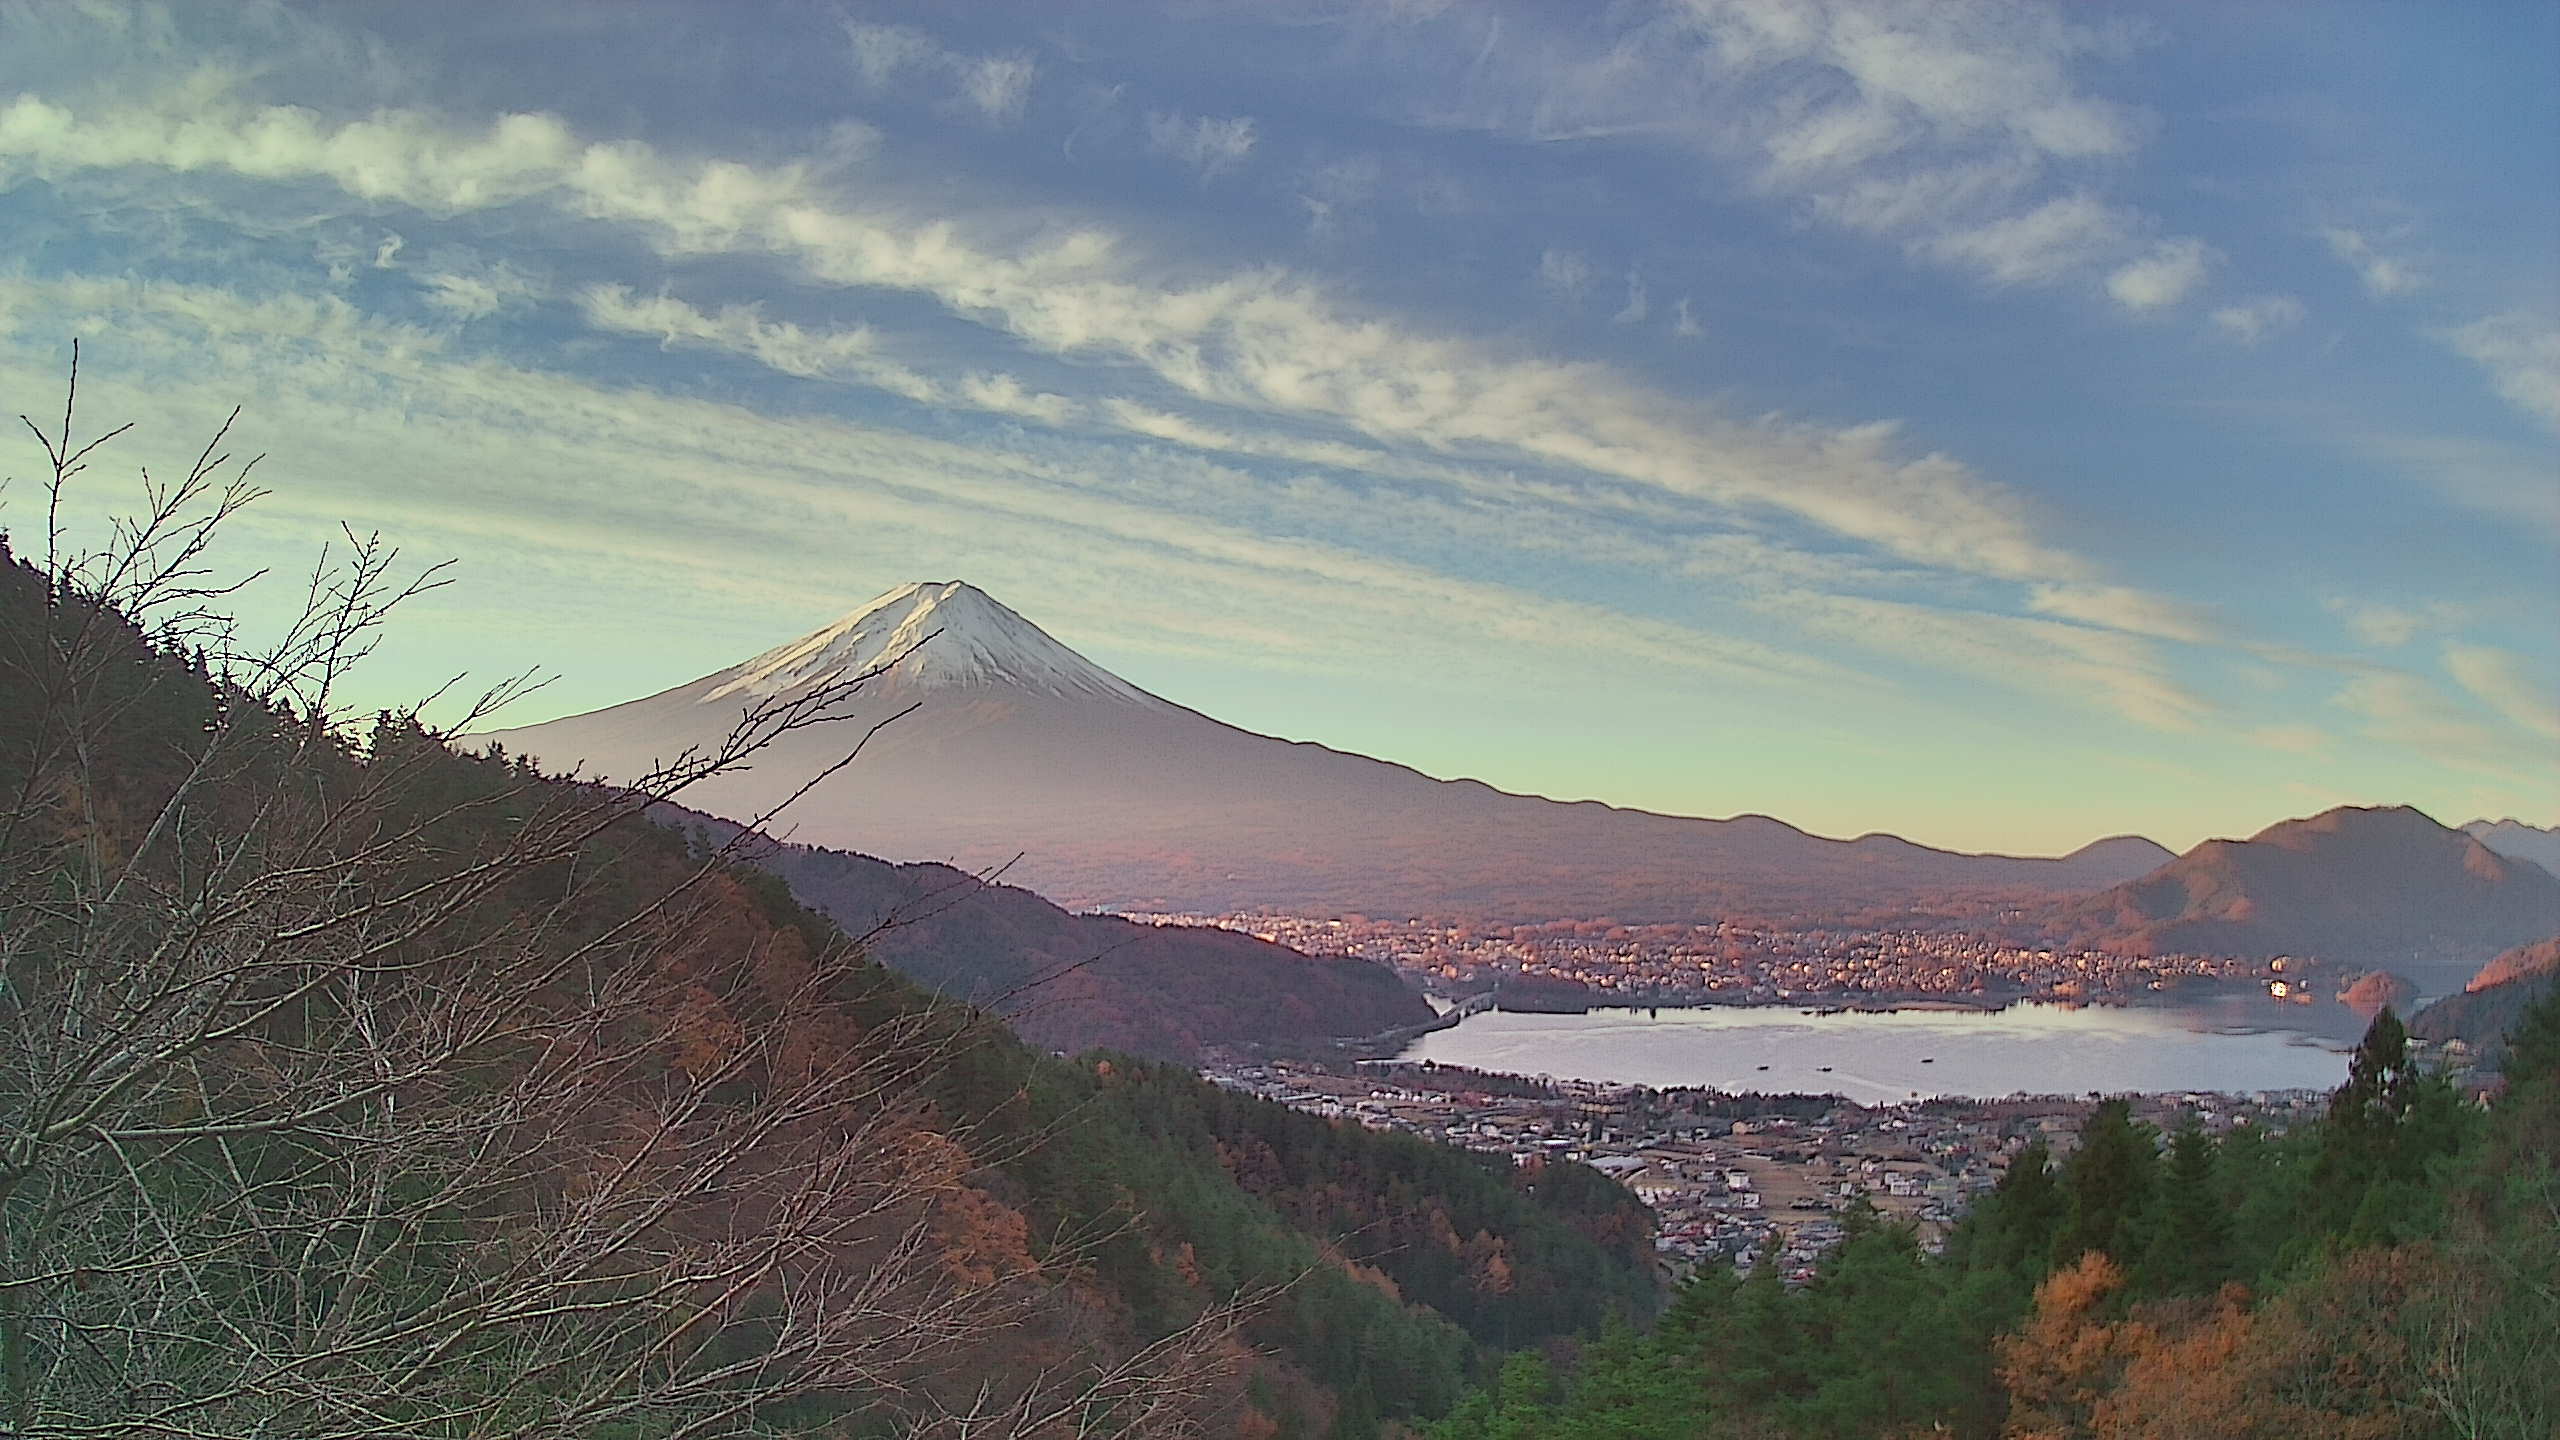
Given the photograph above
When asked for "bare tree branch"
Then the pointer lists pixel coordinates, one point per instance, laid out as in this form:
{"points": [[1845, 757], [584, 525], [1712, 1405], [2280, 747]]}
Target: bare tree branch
{"points": [[353, 1087]]}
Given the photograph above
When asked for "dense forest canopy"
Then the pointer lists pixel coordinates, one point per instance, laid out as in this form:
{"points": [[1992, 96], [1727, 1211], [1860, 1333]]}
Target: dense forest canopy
{"points": [[2391, 1272]]}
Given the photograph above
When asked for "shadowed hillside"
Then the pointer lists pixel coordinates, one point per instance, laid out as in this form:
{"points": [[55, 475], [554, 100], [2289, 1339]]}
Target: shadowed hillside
{"points": [[1073, 982], [2370, 888], [2491, 1006]]}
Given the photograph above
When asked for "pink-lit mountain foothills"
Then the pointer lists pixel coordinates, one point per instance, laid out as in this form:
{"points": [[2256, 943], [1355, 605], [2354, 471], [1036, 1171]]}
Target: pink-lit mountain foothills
{"points": [[1111, 796]]}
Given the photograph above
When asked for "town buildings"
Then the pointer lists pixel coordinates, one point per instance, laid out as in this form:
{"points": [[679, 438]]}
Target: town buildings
{"points": [[1722, 1173]]}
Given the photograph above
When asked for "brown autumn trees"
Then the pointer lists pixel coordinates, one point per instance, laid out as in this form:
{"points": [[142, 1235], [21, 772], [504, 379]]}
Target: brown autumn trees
{"points": [[351, 1086]]}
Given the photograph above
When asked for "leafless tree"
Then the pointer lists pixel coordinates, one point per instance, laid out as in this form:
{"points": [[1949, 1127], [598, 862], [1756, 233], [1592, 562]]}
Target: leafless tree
{"points": [[351, 1088]]}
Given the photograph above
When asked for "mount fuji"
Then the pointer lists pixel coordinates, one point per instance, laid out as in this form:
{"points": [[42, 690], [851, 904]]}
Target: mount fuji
{"points": [[1111, 796], [922, 638]]}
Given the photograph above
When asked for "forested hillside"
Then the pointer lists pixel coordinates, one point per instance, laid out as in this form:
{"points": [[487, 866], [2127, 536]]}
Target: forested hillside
{"points": [[1073, 982], [350, 1085], [2391, 1271], [2493, 1005]]}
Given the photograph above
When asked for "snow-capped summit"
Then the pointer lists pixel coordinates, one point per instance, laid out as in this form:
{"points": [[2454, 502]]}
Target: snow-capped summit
{"points": [[928, 635], [1017, 749]]}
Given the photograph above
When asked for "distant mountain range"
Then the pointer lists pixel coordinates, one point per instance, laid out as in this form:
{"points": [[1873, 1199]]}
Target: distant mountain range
{"points": [[2385, 888], [1071, 982], [1112, 796], [2520, 841]]}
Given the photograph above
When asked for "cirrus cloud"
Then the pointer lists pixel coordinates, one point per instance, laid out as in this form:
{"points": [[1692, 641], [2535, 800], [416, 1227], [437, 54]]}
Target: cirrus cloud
{"points": [[2251, 321], [1262, 340], [2521, 355], [2500, 680]]}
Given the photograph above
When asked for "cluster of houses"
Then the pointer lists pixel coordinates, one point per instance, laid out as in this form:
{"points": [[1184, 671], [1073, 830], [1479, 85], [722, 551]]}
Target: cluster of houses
{"points": [[1724, 1174], [1734, 961]]}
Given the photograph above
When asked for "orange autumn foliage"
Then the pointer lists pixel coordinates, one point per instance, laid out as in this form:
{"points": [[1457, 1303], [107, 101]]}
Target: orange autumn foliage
{"points": [[983, 1239], [2068, 1355], [2324, 1359]]}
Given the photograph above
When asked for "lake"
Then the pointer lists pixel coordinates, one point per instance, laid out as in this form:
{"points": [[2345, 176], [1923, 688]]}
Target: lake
{"points": [[1888, 1055]]}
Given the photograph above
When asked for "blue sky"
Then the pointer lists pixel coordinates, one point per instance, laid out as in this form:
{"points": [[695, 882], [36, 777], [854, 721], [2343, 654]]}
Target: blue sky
{"points": [[1999, 423]]}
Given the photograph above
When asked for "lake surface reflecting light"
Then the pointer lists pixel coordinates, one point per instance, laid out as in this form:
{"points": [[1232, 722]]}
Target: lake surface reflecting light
{"points": [[1888, 1055]]}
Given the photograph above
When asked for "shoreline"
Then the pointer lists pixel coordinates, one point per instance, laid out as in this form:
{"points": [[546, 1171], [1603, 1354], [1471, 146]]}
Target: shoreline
{"points": [[2207, 1008], [2200, 1022], [1939, 1053], [1824, 1006]]}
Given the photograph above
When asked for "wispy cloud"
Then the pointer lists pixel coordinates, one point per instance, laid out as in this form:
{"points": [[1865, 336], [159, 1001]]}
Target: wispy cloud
{"points": [[2174, 270], [1210, 145], [2034, 247], [998, 86], [882, 309], [478, 291], [2521, 354], [1638, 306], [2121, 607], [2083, 667], [1967, 132], [525, 468], [1565, 274], [993, 88], [2383, 276], [2296, 739], [742, 329], [2251, 321], [2401, 709], [1263, 340], [885, 54], [1335, 192], [2509, 482], [691, 473], [856, 355], [2500, 680], [2391, 626], [1001, 394]]}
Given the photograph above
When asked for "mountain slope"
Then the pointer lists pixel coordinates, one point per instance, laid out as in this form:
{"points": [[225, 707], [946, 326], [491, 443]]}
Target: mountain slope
{"points": [[2517, 840], [2539, 958], [2489, 1007], [739, 1083], [1071, 982], [2387, 888], [1113, 796]]}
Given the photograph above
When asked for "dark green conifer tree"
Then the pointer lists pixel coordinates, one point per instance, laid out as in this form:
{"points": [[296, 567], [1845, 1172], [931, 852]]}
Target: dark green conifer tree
{"points": [[2533, 1046], [1698, 1306], [2190, 1247], [2106, 1184], [1889, 1358], [1519, 1405], [2023, 1215], [1762, 1354], [2381, 1082], [2389, 1126]]}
